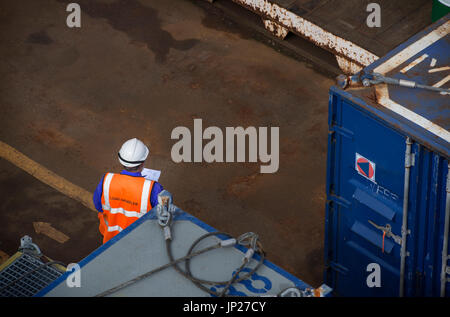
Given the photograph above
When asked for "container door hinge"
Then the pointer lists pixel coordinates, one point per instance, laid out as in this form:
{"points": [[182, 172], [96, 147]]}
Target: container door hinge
{"points": [[342, 131], [340, 201], [447, 268], [338, 268], [447, 271], [410, 159]]}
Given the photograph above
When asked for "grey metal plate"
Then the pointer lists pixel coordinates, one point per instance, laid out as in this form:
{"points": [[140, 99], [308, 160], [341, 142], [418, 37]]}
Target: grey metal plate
{"points": [[141, 248]]}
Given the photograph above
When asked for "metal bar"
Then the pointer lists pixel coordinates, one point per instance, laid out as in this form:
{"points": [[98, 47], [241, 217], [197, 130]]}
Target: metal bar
{"points": [[405, 214], [446, 230], [314, 33]]}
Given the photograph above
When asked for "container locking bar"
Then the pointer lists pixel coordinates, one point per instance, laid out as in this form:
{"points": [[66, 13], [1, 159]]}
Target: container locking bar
{"points": [[445, 270], [387, 229], [405, 231]]}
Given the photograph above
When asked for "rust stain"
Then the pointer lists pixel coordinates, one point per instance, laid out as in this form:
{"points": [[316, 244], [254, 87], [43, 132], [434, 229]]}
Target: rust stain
{"points": [[53, 137], [241, 185], [194, 207], [246, 115], [276, 29], [349, 67], [314, 128], [381, 94], [372, 95], [318, 195], [290, 148], [194, 85], [302, 91], [166, 77]]}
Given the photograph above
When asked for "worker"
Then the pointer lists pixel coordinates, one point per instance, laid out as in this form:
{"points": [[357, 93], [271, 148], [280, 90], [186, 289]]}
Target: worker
{"points": [[123, 198]]}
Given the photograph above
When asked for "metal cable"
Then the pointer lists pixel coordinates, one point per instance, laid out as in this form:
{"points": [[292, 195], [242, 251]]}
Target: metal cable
{"points": [[199, 285], [233, 279], [160, 268], [199, 282], [244, 277], [254, 243]]}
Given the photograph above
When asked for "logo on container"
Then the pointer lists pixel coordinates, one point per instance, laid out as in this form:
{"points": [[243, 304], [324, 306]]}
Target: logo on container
{"points": [[365, 167]]}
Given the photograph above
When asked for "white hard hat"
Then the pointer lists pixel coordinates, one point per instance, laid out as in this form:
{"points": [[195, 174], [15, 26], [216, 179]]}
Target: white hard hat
{"points": [[133, 153]]}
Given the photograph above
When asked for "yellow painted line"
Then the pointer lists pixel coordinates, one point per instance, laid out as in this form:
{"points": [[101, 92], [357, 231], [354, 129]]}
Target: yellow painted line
{"points": [[10, 260], [47, 229], [3, 256], [46, 176]]}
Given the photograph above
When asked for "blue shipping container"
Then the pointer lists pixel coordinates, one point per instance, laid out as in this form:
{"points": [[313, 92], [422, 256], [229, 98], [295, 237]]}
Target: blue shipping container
{"points": [[387, 211]]}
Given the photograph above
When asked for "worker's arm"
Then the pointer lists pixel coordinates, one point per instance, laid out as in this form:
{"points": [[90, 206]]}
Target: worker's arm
{"points": [[157, 188], [97, 198]]}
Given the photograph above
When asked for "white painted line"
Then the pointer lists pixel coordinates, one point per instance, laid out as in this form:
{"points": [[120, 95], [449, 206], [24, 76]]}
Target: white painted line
{"points": [[440, 69], [442, 82], [382, 93], [413, 49], [382, 90], [433, 62], [414, 63]]}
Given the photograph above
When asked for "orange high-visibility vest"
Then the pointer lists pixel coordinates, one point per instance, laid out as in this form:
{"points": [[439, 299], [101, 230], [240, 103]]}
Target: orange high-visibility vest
{"points": [[124, 200]]}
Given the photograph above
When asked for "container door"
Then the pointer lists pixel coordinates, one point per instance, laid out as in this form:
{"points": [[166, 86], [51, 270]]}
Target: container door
{"points": [[364, 209]]}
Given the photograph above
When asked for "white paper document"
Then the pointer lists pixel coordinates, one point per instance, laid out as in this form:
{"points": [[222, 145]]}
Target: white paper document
{"points": [[151, 175]]}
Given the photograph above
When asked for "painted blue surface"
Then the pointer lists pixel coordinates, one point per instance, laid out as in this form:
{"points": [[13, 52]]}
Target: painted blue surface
{"points": [[180, 215], [430, 105], [357, 125]]}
